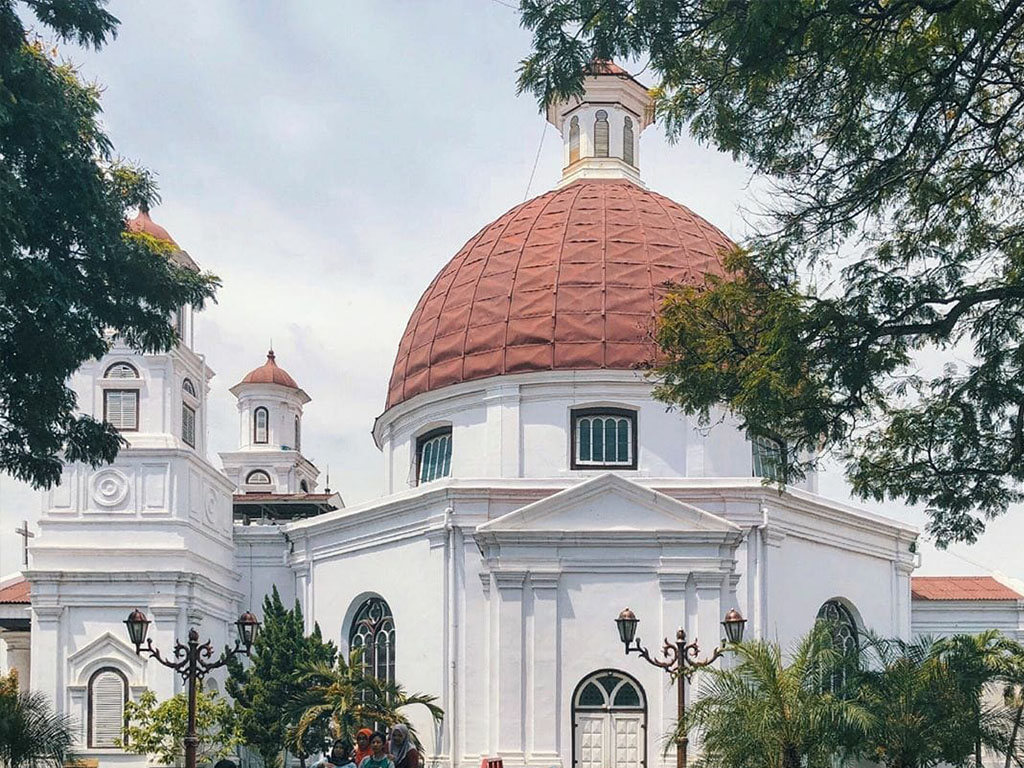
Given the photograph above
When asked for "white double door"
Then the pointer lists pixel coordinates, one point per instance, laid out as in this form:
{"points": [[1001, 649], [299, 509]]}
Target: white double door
{"points": [[609, 739]]}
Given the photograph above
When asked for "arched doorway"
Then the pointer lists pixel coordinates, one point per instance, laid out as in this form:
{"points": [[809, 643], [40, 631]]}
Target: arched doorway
{"points": [[609, 721]]}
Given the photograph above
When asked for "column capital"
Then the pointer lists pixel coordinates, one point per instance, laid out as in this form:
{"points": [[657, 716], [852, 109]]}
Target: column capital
{"points": [[509, 580]]}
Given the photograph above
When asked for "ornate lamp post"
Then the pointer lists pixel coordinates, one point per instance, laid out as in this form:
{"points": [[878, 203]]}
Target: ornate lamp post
{"points": [[191, 662], [679, 659]]}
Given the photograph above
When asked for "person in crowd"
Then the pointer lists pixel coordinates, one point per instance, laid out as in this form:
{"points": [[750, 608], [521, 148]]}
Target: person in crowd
{"points": [[403, 751], [378, 757], [340, 756], [363, 744]]}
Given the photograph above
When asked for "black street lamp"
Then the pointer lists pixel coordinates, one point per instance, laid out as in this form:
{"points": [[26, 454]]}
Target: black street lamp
{"points": [[191, 662], [680, 659]]}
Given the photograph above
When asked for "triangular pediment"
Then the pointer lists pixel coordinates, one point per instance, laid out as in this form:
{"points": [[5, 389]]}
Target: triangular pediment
{"points": [[609, 503], [105, 650]]}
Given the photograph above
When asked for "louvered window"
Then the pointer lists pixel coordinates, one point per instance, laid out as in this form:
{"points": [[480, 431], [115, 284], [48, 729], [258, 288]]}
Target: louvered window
{"points": [[108, 691], [601, 134], [188, 425], [434, 455], [259, 425], [121, 409], [179, 323], [121, 371], [574, 140], [604, 437], [627, 142]]}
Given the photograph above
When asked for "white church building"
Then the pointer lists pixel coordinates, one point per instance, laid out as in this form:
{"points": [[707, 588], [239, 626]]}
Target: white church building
{"points": [[533, 489]]}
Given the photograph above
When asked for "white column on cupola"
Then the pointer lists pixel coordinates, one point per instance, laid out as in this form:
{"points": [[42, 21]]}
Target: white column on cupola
{"points": [[601, 130]]}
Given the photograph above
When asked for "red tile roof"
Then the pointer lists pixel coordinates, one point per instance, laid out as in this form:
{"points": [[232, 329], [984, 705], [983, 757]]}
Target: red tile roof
{"points": [[15, 593], [571, 280], [270, 373], [960, 588]]}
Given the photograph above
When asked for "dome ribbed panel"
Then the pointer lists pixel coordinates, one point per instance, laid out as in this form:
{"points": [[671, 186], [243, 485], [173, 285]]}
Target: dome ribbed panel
{"points": [[570, 280]]}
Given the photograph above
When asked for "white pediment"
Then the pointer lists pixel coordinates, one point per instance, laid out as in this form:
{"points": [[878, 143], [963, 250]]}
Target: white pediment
{"points": [[609, 503], [105, 650]]}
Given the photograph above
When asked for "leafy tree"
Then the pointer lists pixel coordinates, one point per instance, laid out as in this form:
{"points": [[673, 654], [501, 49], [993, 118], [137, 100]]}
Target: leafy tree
{"points": [[889, 134], [351, 698], [1012, 678], [158, 729], [271, 678], [765, 711], [31, 733], [69, 273]]}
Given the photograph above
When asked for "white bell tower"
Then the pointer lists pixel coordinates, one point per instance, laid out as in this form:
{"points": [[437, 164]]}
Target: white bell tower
{"points": [[269, 457], [601, 130]]}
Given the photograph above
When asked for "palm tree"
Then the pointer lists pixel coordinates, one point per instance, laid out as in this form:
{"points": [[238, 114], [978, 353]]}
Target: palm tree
{"points": [[767, 712], [31, 733], [349, 698]]}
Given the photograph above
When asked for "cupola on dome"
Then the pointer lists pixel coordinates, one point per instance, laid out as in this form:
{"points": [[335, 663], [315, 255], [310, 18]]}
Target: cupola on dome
{"points": [[144, 224], [269, 373], [572, 279]]}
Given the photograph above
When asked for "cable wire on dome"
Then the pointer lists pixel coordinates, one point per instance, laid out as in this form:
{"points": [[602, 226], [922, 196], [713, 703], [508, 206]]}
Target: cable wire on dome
{"points": [[536, 159]]}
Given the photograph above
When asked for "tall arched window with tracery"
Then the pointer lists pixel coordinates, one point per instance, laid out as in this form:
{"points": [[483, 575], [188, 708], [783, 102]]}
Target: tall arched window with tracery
{"points": [[845, 641], [373, 629]]}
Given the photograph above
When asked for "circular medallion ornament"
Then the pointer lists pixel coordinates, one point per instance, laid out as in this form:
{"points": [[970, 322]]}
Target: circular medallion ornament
{"points": [[110, 487], [211, 505]]}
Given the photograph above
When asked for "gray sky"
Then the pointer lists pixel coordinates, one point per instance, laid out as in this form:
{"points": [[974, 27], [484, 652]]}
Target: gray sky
{"points": [[326, 159]]}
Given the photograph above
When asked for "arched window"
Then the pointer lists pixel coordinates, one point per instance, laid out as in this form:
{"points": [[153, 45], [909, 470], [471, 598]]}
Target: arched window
{"points": [[121, 371], [604, 437], [434, 455], [189, 388], [304, 486], [574, 140], [373, 629], [767, 458], [259, 425], [107, 694], [179, 323], [609, 717], [627, 141], [845, 641], [601, 134], [257, 477], [298, 434]]}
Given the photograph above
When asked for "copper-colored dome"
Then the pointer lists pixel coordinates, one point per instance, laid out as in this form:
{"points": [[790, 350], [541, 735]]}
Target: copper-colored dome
{"points": [[143, 223], [571, 280], [269, 373]]}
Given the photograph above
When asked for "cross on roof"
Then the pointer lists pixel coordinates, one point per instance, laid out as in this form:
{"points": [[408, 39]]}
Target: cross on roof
{"points": [[25, 534]]}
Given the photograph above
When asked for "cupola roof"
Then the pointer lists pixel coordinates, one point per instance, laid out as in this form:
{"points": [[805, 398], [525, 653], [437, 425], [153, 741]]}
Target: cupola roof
{"points": [[270, 373], [144, 223]]}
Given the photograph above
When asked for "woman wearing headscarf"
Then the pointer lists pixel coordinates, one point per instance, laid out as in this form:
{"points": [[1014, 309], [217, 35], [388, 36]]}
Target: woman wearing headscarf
{"points": [[403, 752], [362, 744]]}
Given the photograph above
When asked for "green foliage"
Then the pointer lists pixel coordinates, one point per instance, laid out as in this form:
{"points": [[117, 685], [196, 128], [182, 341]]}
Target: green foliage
{"points": [[765, 712], [32, 735], [69, 274], [349, 698], [262, 687], [889, 135], [158, 729]]}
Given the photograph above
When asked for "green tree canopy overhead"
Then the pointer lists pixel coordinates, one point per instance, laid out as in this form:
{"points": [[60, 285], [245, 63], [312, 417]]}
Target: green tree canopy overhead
{"points": [[891, 135], [69, 273]]}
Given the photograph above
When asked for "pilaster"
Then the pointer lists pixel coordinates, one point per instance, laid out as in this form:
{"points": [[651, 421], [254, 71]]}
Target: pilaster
{"points": [[509, 698], [543, 674]]}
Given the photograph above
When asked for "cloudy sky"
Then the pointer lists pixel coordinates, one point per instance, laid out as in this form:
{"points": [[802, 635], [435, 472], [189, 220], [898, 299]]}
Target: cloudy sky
{"points": [[326, 159]]}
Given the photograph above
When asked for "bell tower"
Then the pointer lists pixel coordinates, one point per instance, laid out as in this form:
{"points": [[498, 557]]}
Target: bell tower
{"points": [[601, 130]]}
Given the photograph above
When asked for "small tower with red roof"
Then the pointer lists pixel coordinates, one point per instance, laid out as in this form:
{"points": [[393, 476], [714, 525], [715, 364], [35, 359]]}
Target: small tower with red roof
{"points": [[269, 458]]}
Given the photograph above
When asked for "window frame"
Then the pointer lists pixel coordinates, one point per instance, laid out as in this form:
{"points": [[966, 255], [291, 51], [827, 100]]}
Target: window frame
{"points": [[422, 440], [628, 142], [602, 143], [189, 388], [118, 364], [90, 720], [135, 394], [185, 407], [774, 461], [574, 139], [255, 425], [575, 414], [250, 473], [366, 623]]}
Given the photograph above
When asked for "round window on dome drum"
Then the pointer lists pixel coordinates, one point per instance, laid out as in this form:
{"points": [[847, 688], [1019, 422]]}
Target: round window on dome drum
{"points": [[604, 437]]}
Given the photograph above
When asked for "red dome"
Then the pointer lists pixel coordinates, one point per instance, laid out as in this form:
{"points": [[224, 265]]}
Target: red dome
{"points": [[143, 223], [571, 280], [269, 373]]}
